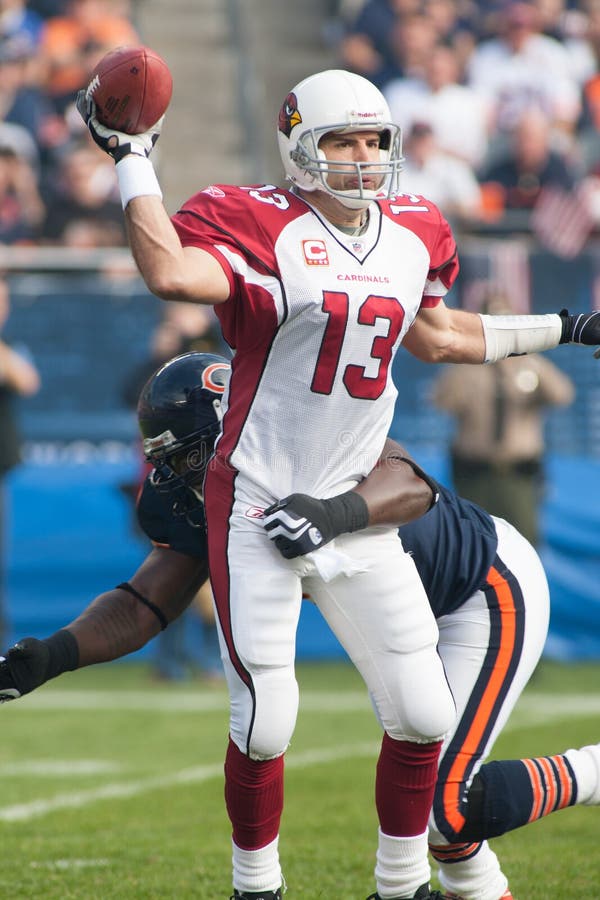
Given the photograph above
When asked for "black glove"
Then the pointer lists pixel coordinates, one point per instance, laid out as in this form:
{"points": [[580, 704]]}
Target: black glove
{"points": [[581, 329], [30, 663], [299, 523], [116, 143]]}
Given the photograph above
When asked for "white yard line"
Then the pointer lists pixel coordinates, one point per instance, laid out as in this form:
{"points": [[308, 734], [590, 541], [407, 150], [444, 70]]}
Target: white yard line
{"points": [[312, 701], [534, 708], [24, 812], [59, 768], [543, 706], [63, 864]]}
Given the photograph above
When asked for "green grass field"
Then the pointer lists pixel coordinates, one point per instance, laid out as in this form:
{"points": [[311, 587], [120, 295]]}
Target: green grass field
{"points": [[112, 787]]}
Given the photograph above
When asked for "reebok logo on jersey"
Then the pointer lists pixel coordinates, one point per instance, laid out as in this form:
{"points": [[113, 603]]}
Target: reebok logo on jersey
{"points": [[253, 512], [315, 253], [214, 191]]}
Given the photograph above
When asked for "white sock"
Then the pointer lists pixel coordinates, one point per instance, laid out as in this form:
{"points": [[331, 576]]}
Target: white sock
{"points": [[586, 766], [402, 865], [477, 878], [257, 870]]}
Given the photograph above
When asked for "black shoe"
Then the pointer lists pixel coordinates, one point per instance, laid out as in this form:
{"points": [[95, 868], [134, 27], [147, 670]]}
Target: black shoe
{"points": [[423, 893], [256, 895]]}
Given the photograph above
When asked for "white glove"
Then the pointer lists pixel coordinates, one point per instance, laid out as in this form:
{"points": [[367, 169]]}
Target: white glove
{"points": [[116, 143]]}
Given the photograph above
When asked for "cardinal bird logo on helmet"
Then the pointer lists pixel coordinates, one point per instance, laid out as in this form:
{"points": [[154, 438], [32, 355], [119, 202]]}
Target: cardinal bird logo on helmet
{"points": [[289, 115]]}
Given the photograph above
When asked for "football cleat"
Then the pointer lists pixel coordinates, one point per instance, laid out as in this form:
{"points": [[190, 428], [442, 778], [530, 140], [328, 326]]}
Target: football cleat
{"points": [[256, 895], [423, 893], [594, 751]]}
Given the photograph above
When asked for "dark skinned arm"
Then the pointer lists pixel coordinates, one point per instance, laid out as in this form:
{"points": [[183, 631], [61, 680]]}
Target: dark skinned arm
{"points": [[117, 623], [394, 491], [114, 624]]}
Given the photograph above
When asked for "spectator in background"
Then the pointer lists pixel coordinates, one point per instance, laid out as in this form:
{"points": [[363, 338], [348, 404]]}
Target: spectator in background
{"points": [[449, 182], [73, 43], [497, 454], [412, 39], [458, 114], [367, 48], [529, 165], [522, 68], [18, 20], [24, 103], [82, 203], [568, 23], [456, 25], [18, 378], [589, 123], [21, 207], [47, 8]]}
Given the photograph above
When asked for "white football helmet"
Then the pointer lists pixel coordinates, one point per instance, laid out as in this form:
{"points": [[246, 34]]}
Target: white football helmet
{"points": [[342, 102]]}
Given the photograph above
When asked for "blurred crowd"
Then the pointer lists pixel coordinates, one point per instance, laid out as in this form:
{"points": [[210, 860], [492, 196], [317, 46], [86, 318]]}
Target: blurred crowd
{"points": [[499, 102], [55, 188]]}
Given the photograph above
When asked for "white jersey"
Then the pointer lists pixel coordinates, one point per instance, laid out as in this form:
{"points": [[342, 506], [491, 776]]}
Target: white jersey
{"points": [[315, 318]]}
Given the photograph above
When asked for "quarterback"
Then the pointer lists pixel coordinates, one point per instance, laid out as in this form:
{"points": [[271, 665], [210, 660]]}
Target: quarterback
{"points": [[316, 287], [483, 580]]}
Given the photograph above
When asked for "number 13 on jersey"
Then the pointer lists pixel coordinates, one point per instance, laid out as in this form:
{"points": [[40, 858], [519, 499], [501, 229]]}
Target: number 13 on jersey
{"points": [[336, 306]]}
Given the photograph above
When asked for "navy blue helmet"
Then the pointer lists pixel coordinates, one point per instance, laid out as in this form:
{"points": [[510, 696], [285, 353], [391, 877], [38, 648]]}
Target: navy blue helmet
{"points": [[179, 416]]}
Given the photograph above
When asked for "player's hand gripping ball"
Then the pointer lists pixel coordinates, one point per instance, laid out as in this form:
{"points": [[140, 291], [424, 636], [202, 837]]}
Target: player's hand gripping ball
{"points": [[131, 88], [124, 104]]}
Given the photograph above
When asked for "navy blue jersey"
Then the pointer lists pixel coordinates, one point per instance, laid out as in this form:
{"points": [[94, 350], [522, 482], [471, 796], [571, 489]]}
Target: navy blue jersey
{"points": [[165, 528], [453, 546]]}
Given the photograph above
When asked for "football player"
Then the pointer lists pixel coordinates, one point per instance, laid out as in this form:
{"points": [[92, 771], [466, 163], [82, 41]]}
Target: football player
{"points": [[484, 582], [316, 288]]}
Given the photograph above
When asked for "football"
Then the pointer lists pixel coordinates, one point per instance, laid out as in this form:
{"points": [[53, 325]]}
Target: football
{"points": [[132, 88]]}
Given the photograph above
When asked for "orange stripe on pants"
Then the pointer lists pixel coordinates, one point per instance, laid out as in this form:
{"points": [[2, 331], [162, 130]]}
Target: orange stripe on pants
{"points": [[506, 605]]}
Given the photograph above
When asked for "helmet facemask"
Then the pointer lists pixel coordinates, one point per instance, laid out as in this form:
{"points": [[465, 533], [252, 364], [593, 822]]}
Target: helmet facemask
{"points": [[309, 157], [179, 468]]}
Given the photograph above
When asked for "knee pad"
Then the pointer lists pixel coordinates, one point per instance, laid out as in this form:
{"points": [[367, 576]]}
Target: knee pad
{"points": [[423, 721], [263, 713]]}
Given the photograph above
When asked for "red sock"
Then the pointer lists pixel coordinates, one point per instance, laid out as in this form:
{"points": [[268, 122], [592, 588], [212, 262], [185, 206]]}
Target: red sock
{"points": [[406, 777], [254, 798]]}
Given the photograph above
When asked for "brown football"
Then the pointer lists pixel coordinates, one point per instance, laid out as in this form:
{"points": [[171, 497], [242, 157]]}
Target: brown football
{"points": [[132, 88]]}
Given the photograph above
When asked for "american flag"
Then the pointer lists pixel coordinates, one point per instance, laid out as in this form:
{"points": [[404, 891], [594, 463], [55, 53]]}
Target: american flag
{"points": [[562, 220]]}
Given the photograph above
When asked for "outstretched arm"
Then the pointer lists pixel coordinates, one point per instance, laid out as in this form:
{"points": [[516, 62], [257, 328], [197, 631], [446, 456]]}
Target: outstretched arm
{"points": [[443, 334], [114, 624], [396, 491]]}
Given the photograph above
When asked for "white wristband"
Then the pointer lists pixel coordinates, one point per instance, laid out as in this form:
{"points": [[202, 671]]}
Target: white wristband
{"points": [[516, 335], [137, 178]]}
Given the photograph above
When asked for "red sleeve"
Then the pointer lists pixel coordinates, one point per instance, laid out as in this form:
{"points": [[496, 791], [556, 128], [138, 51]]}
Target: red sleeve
{"points": [[240, 228], [444, 266], [424, 219], [247, 221]]}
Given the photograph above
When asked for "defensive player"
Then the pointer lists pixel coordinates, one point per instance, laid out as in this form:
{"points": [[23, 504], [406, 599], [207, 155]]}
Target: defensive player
{"points": [[315, 288], [455, 545]]}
